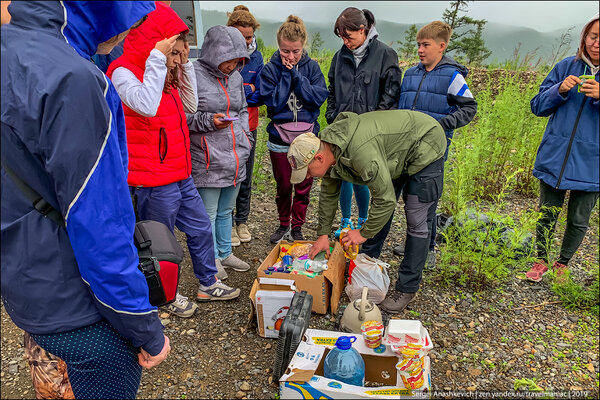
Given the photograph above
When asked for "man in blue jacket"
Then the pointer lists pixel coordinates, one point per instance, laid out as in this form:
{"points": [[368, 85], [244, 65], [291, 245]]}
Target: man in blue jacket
{"points": [[74, 287]]}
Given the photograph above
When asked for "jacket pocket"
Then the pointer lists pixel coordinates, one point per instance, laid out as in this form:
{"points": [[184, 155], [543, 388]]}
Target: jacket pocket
{"points": [[162, 144], [206, 152]]}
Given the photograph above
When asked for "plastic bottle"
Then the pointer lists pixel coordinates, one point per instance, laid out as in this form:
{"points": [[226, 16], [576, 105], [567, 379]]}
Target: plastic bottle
{"points": [[344, 364]]}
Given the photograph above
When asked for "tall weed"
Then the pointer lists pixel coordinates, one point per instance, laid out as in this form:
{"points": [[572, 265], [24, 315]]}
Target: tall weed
{"points": [[501, 142]]}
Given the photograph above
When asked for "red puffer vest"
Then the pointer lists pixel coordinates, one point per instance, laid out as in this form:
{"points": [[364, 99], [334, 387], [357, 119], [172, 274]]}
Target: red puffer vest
{"points": [[159, 146]]}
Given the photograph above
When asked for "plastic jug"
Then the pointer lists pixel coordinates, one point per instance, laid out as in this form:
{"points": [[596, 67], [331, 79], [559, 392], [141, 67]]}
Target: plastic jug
{"points": [[344, 364]]}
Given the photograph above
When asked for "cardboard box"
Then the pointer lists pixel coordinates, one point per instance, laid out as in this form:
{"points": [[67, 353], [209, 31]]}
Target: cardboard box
{"points": [[304, 378], [270, 300], [326, 289]]}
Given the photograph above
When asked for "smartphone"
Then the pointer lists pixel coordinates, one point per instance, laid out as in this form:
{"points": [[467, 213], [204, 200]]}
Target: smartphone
{"points": [[228, 119]]}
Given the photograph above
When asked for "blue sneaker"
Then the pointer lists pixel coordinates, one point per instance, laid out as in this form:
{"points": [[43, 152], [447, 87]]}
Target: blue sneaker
{"points": [[345, 223], [360, 222]]}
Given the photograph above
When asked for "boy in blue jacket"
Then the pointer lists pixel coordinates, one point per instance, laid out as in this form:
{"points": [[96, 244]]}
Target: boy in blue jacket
{"points": [[438, 88]]}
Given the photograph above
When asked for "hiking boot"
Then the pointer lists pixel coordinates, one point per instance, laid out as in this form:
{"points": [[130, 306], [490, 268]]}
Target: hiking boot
{"points": [[235, 239], [243, 233], [345, 223], [216, 291], [560, 270], [182, 307], [536, 272], [360, 222], [221, 273], [235, 263], [399, 250], [430, 260], [279, 234], [395, 302], [297, 233]]}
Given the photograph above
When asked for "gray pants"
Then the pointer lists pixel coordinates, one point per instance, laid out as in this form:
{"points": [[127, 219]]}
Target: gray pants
{"points": [[420, 193], [579, 210]]}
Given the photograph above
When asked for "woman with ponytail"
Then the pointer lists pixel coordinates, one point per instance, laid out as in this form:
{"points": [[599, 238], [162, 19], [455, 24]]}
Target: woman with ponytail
{"points": [[364, 76], [242, 20], [293, 88]]}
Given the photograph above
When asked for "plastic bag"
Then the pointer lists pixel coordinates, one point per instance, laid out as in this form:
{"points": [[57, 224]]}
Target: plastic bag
{"points": [[369, 272]]}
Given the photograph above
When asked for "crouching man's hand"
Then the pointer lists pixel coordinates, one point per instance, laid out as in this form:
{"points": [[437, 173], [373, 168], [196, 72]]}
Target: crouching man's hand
{"points": [[321, 244]]}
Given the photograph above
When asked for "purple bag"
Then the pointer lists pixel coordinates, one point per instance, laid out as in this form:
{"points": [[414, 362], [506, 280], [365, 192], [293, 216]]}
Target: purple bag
{"points": [[290, 130]]}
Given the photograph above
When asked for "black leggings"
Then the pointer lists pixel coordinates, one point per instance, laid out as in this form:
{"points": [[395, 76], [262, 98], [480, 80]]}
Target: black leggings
{"points": [[579, 210]]}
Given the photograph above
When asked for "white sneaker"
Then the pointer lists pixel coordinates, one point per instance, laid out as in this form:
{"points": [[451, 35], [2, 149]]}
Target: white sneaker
{"points": [[182, 307], [243, 233], [235, 263], [216, 291], [235, 239]]}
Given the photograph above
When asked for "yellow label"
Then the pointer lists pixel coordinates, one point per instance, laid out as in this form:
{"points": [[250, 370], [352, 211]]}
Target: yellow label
{"points": [[324, 341], [389, 392]]}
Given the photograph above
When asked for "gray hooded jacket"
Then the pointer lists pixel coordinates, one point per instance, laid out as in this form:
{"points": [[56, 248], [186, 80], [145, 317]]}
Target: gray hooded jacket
{"points": [[219, 155]]}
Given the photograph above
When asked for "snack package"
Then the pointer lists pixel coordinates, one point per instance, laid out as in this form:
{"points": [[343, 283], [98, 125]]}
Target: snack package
{"points": [[372, 332], [409, 364], [299, 249], [414, 379]]}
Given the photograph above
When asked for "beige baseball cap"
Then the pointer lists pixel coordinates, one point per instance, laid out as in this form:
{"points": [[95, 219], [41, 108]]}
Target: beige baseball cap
{"points": [[301, 152]]}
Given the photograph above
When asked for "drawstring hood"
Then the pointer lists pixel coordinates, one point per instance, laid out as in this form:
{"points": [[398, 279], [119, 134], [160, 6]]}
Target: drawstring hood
{"points": [[223, 43]]}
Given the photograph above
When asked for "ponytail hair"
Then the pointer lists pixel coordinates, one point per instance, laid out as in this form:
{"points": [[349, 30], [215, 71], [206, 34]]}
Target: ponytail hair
{"points": [[353, 19], [292, 30], [241, 17]]}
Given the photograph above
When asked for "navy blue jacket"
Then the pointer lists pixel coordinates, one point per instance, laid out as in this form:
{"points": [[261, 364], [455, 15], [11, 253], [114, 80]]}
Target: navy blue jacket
{"points": [[277, 83], [569, 154], [250, 73], [441, 93], [63, 132]]}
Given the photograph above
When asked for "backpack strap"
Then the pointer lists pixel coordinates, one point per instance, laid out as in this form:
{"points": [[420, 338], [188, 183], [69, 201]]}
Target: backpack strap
{"points": [[39, 203]]}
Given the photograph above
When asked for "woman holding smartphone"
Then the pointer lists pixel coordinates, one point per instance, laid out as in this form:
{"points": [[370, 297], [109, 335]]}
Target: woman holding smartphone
{"points": [[219, 134]]}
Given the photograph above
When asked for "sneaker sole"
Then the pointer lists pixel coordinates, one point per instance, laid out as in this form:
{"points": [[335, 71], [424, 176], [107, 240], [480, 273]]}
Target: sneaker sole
{"points": [[245, 240], [536, 280], [180, 315], [236, 269], [210, 298], [398, 312]]}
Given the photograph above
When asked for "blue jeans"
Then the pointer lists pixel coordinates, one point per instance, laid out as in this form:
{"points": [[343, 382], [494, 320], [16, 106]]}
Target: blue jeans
{"points": [[219, 204], [362, 196], [178, 204], [101, 363]]}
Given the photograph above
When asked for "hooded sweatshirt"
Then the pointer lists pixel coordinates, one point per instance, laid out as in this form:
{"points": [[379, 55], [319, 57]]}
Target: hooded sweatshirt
{"points": [[569, 154], [158, 146], [292, 95], [63, 133], [219, 155]]}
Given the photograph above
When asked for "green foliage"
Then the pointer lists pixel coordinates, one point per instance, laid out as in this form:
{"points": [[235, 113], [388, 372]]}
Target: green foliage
{"points": [[407, 49], [528, 384], [480, 254], [315, 44], [467, 34], [585, 296], [502, 142]]}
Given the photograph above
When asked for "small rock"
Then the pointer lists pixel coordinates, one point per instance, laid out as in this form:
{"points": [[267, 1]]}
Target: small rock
{"points": [[240, 395], [165, 322], [191, 332], [472, 324], [245, 386], [268, 346], [561, 344], [453, 327], [573, 318], [164, 315], [481, 319], [474, 371], [13, 369]]}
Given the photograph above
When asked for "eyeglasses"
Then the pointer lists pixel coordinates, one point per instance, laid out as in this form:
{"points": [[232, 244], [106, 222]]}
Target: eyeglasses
{"points": [[592, 39]]}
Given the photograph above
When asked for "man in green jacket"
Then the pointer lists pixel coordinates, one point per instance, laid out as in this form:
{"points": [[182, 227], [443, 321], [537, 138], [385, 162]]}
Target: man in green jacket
{"points": [[387, 151]]}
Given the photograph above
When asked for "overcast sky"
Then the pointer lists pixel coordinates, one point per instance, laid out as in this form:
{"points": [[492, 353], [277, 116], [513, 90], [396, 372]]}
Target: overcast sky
{"points": [[543, 16]]}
